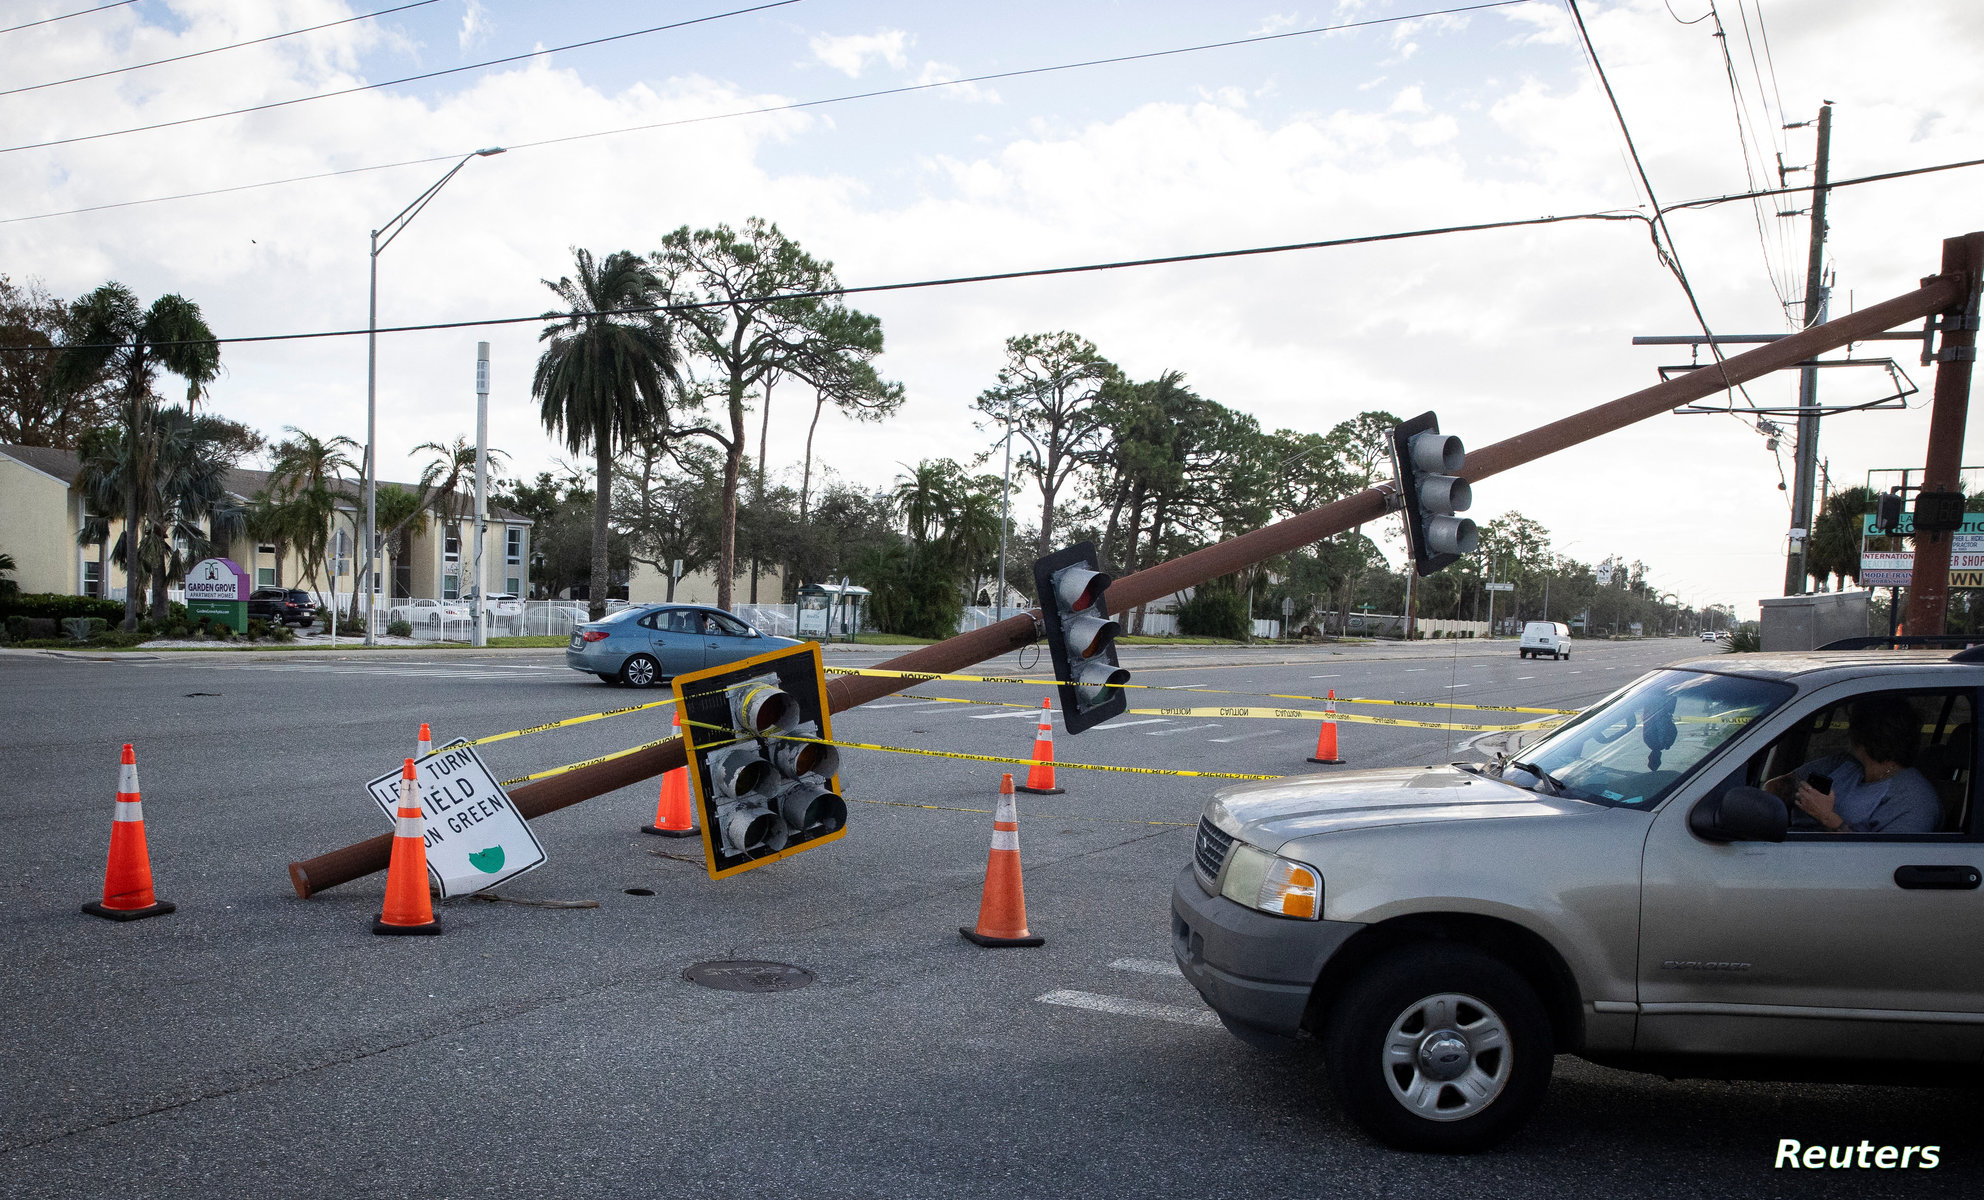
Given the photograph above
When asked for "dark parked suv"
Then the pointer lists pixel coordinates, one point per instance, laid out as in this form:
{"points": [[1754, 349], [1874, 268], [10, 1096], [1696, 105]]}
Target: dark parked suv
{"points": [[291, 606]]}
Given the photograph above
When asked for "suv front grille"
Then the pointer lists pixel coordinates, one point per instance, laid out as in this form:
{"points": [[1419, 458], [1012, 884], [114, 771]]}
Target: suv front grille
{"points": [[1209, 852]]}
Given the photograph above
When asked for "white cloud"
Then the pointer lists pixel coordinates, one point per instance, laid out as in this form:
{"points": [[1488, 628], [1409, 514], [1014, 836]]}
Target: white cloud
{"points": [[851, 55], [936, 72], [475, 23]]}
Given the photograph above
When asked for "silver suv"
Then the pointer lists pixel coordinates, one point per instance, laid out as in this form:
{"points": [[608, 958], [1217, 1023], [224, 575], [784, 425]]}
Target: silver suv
{"points": [[1741, 868]]}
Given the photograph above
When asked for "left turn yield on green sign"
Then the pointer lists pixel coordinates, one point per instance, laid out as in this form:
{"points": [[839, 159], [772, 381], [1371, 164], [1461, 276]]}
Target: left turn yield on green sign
{"points": [[475, 837]]}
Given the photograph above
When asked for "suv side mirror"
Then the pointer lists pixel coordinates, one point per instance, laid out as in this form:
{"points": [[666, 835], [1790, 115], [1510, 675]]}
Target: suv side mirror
{"points": [[1740, 814]]}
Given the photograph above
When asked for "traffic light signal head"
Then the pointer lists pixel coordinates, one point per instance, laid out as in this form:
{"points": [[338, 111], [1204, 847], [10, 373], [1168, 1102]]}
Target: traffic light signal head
{"points": [[1081, 637], [1887, 512], [1428, 463]]}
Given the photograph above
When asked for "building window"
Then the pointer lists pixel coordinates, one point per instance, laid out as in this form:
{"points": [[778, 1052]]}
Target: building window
{"points": [[264, 577], [451, 587], [92, 578], [513, 549], [265, 548], [451, 548], [514, 585]]}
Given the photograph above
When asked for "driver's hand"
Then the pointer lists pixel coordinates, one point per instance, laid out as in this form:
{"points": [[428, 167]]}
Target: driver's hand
{"points": [[1817, 804]]}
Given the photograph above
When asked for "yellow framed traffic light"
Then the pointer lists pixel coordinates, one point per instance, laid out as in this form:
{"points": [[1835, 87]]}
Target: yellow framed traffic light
{"points": [[762, 767]]}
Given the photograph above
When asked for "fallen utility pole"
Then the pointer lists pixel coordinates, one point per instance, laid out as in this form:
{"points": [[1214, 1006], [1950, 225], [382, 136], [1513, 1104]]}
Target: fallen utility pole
{"points": [[1937, 294]]}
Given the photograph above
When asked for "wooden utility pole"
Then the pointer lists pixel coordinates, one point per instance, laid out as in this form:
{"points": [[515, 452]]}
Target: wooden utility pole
{"points": [[1928, 596], [1938, 293], [1807, 457]]}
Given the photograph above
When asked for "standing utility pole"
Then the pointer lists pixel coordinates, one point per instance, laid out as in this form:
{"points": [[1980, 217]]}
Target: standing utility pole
{"points": [[1808, 378], [1928, 597], [478, 597]]}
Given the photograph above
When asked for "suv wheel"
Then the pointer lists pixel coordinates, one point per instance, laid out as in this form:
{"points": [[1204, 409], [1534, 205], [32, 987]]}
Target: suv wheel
{"points": [[639, 671], [1440, 1048]]}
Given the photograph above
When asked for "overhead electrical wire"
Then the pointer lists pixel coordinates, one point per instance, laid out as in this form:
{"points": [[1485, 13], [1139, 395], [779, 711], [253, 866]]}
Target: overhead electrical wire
{"points": [[159, 62], [385, 83], [912, 285], [82, 12], [1775, 269], [1085, 268], [764, 110]]}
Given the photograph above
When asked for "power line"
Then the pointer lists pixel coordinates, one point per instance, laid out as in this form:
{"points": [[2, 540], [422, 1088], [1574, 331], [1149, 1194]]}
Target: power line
{"points": [[1669, 254], [771, 108], [159, 62], [367, 87], [65, 16], [912, 285]]}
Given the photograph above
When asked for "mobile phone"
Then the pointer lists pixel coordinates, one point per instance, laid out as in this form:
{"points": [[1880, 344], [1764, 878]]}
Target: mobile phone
{"points": [[1822, 783]]}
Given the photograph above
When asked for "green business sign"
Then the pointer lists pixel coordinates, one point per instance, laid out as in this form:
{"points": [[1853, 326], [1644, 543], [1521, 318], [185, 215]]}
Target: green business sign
{"points": [[218, 588]]}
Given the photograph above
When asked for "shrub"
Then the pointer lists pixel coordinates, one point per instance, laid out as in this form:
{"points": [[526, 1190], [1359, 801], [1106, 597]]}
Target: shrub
{"points": [[57, 606], [22, 629], [399, 629], [1745, 641], [82, 629], [257, 629], [1213, 612]]}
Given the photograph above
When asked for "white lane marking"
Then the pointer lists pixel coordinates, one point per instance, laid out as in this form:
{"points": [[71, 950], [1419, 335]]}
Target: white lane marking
{"points": [[1129, 724], [1451, 686], [1123, 1006], [1175, 687], [1241, 737], [1181, 729], [1520, 678], [1147, 966], [1577, 672], [1411, 669], [1024, 712], [871, 706], [1326, 677]]}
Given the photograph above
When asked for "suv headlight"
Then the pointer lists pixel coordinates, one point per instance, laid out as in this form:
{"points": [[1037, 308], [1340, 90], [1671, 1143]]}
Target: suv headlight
{"points": [[1269, 884]]}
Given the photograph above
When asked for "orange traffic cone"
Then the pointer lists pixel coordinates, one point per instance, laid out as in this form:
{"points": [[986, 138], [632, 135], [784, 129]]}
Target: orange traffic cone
{"points": [[1040, 776], [672, 815], [1002, 907], [425, 746], [1326, 736], [407, 909], [127, 877]]}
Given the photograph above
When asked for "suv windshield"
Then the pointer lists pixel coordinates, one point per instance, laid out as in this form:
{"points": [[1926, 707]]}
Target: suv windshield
{"points": [[1633, 747]]}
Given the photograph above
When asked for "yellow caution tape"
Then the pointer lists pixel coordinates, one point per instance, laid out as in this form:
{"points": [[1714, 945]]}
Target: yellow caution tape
{"points": [[587, 763], [1020, 762], [871, 672], [598, 716], [1343, 718], [1031, 816]]}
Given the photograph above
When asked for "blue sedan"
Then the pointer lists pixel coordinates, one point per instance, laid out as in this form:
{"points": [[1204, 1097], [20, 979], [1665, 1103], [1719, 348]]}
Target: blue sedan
{"points": [[648, 643]]}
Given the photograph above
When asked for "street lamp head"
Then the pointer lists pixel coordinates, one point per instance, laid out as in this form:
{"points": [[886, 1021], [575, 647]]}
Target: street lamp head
{"points": [[488, 152]]}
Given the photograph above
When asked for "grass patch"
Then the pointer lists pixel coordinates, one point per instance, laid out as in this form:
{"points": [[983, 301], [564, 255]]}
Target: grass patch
{"points": [[889, 639], [1154, 640], [534, 640]]}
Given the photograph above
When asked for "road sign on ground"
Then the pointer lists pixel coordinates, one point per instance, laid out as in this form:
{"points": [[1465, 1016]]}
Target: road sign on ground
{"points": [[476, 838]]}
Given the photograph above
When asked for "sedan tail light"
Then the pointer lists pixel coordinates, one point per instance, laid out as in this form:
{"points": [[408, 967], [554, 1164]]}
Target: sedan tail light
{"points": [[594, 635]]}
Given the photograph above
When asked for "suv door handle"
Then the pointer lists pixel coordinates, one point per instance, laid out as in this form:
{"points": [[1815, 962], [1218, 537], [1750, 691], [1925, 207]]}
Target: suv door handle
{"points": [[1944, 878]]}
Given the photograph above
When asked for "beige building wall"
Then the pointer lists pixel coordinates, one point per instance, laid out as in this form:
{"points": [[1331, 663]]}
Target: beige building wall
{"points": [[38, 524], [649, 586]]}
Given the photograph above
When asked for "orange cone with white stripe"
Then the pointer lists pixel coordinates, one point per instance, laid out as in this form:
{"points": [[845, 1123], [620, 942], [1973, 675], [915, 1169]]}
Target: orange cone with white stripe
{"points": [[1040, 776], [425, 746], [1326, 736], [672, 811], [127, 877], [1002, 907], [407, 910]]}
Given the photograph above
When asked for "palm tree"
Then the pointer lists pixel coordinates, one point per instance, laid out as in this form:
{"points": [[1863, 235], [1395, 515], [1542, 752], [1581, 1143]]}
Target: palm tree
{"points": [[402, 516], [111, 336], [602, 382], [7, 567], [449, 482], [185, 505], [303, 483]]}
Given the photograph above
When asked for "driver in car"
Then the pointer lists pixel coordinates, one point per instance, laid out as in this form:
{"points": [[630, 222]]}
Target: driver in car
{"points": [[1874, 789]]}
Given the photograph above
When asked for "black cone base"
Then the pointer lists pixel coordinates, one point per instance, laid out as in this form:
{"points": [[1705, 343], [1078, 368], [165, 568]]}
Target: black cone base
{"points": [[1329, 762], [1041, 791], [972, 935], [658, 831], [430, 929], [95, 908]]}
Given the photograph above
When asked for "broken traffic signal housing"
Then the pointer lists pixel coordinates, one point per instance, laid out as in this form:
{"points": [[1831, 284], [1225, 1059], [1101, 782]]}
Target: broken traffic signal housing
{"points": [[1081, 637], [1428, 465]]}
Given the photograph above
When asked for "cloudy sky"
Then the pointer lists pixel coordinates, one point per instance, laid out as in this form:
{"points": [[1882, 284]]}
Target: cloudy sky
{"points": [[1488, 115]]}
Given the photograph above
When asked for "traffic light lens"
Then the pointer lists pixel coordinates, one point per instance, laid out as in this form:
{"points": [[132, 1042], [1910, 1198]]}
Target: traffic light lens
{"points": [[1452, 535], [1440, 453], [768, 708], [1089, 636], [1079, 588], [1096, 681]]}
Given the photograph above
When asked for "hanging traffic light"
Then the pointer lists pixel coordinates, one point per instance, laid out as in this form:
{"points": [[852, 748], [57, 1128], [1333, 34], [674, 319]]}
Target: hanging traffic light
{"points": [[1887, 512], [1080, 636], [1427, 465], [761, 760]]}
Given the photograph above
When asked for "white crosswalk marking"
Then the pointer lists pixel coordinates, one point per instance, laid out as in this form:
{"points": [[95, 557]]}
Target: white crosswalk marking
{"points": [[1024, 712], [1147, 966], [1123, 1006], [1181, 729], [1241, 737], [1128, 724]]}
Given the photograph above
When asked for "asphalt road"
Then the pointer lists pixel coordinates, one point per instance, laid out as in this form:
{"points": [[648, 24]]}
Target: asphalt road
{"points": [[257, 1043]]}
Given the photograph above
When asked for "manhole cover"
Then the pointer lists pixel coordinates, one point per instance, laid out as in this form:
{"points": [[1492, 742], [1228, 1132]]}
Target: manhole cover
{"points": [[740, 975]]}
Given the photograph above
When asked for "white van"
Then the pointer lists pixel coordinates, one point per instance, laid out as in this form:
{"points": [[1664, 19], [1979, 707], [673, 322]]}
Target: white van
{"points": [[1545, 637]]}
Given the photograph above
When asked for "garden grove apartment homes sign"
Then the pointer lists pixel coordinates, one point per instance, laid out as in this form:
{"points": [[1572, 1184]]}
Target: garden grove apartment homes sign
{"points": [[218, 588]]}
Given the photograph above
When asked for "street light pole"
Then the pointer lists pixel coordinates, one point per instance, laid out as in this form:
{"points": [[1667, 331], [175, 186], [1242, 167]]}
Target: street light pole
{"points": [[1006, 506], [480, 595], [391, 229]]}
